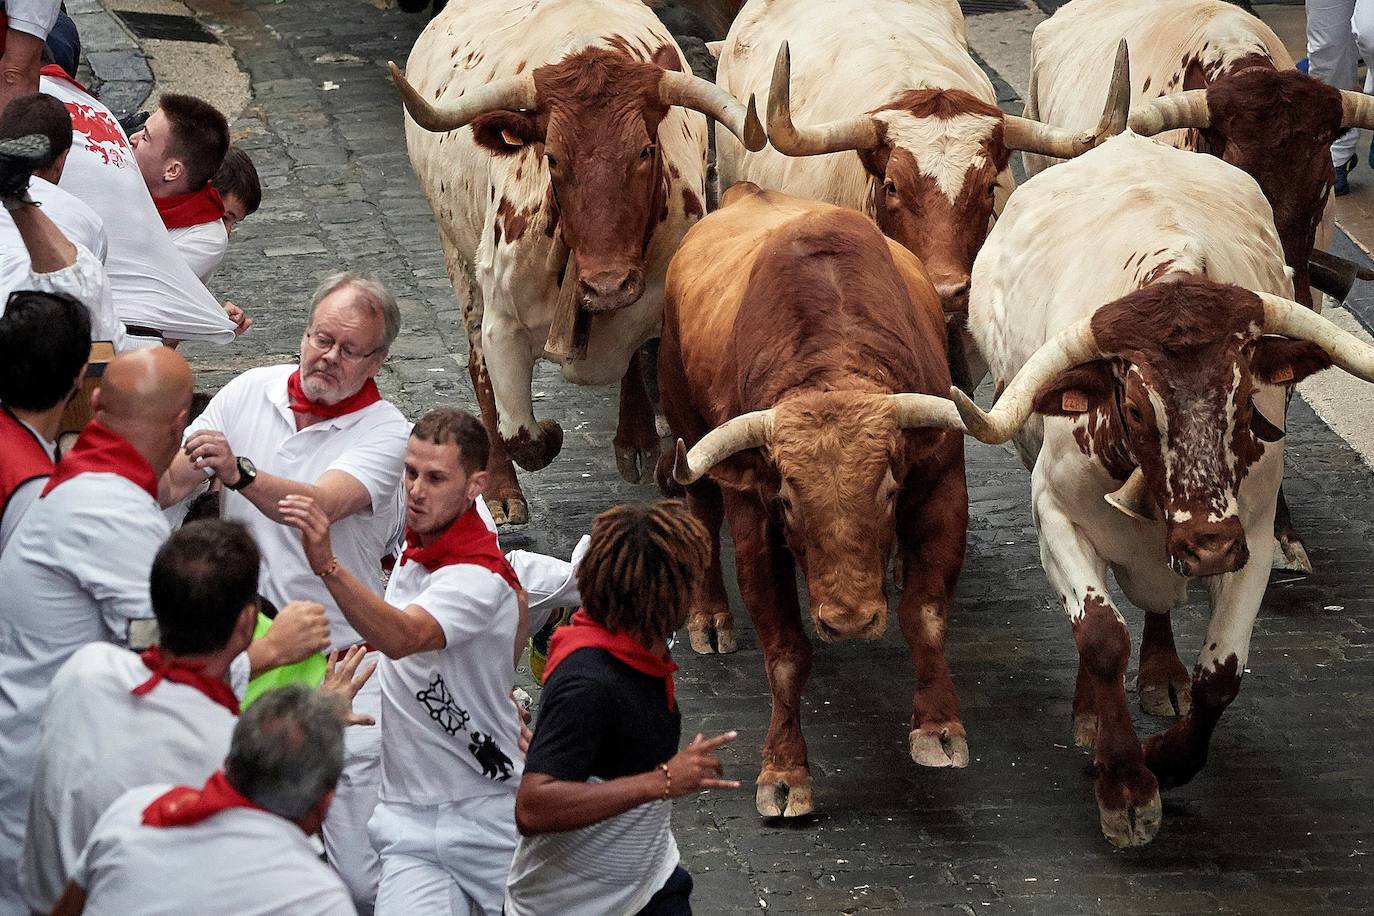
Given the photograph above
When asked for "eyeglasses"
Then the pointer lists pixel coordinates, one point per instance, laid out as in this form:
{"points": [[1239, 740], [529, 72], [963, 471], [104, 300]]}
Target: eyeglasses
{"points": [[324, 343]]}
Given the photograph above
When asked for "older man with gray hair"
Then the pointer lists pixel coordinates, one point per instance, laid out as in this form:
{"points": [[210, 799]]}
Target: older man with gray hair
{"points": [[320, 429], [238, 844]]}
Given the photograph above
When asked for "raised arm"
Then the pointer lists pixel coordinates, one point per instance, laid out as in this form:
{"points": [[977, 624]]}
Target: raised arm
{"points": [[395, 632]]}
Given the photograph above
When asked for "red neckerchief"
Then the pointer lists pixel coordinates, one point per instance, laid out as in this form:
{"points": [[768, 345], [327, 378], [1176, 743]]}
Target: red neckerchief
{"points": [[191, 209], [467, 540], [102, 450], [190, 675], [185, 805], [585, 633], [367, 395], [57, 73]]}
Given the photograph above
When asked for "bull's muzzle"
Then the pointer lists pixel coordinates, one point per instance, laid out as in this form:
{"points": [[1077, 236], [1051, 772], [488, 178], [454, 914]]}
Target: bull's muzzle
{"points": [[834, 624], [1207, 548], [608, 290]]}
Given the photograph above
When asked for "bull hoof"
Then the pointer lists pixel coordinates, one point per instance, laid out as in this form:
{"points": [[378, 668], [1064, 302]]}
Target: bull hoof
{"points": [[779, 799], [636, 465], [1173, 697], [534, 453], [1135, 824], [939, 746], [702, 626], [508, 509], [1291, 556], [1085, 729]]}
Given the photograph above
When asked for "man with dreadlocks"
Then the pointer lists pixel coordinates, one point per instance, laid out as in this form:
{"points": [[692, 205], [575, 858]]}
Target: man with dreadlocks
{"points": [[451, 625], [593, 805]]}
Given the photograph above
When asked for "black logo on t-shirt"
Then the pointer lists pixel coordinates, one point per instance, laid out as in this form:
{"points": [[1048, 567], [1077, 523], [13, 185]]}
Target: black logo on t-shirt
{"points": [[451, 718], [495, 764]]}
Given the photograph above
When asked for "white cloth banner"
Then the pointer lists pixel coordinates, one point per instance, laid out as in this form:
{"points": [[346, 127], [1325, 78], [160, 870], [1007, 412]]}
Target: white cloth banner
{"points": [[151, 282]]}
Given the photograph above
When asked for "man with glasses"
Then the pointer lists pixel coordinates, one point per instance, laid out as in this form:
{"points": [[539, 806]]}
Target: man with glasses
{"points": [[322, 430]]}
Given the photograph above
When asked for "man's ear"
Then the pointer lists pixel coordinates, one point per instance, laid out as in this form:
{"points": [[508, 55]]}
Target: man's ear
{"points": [[506, 132], [477, 484], [1077, 390], [1281, 361], [175, 170], [247, 623]]}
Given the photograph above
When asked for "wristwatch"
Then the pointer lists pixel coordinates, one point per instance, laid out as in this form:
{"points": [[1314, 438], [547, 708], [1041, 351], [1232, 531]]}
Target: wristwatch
{"points": [[247, 474]]}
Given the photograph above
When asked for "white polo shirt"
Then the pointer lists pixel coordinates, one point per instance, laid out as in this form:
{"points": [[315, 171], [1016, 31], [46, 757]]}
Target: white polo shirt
{"points": [[33, 17], [254, 414], [450, 729], [75, 572], [240, 861], [97, 740], [203, 246]]}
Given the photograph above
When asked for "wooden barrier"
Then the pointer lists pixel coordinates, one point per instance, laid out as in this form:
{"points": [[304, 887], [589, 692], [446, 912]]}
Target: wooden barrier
{"points": [[79, 412]]}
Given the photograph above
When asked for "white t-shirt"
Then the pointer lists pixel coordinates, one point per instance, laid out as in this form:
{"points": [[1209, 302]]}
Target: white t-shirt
{"points": [[33, 17], [76, 572], [240, 861], [202, 246], [253, 412], [97, 740], [151, 282], [449, 727]]}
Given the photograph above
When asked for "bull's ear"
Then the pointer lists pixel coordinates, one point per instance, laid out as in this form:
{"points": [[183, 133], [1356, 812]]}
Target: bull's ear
{"points": [[875, 160], [1281, 361], [506, 132], [667, 57], [1077, 390]]}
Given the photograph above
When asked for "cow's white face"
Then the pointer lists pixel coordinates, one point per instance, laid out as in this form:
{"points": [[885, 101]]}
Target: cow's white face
{"points": [[934, 175]]}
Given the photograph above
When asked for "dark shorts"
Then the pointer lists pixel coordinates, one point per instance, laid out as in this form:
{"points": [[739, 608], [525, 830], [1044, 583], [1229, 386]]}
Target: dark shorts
{"points": [[673, 898]]}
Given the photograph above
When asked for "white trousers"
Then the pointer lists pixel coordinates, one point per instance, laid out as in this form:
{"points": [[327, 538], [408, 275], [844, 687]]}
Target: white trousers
{"points": [[345, 828], [1339, 33], [445, 860]]}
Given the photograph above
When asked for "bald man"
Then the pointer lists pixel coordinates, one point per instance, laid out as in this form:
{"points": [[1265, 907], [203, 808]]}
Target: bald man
{"points": [[76, 570]]}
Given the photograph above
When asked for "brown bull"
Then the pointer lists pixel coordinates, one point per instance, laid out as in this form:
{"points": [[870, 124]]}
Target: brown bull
{"points": [[801, 354]]}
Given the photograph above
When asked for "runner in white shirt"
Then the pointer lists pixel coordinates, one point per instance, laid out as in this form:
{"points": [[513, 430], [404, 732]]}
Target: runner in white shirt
{"points": [[116, 720], [450, 627], [76, 571], [153, 287], [322, 431], [240, 843]]}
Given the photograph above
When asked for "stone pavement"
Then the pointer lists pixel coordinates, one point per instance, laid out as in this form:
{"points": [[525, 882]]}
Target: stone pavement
{"points": [[1281, 821]]}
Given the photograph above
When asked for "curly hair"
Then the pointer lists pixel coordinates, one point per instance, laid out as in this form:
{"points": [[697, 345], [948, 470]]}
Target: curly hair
{"points": [[643, 568]]}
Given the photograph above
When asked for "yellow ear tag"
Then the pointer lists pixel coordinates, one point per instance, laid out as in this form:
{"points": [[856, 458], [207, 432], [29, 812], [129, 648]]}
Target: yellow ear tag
{"points": [[1074, 402], [511, 139], [1283, 375]]}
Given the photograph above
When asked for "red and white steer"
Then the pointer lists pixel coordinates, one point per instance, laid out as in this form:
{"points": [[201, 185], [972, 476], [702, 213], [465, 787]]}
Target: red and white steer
{"points": [[563, 150], [1133, 306]]}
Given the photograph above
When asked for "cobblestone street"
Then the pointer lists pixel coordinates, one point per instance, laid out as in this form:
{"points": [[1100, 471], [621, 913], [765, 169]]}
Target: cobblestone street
{"points": [[1280, 821]]}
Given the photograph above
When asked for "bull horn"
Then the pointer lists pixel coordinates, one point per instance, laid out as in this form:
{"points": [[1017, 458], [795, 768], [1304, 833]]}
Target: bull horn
{"points": [[515, 92], [697, 94], [1171, 112], [749, 430], [1047, 140], [1357, 109], [1071, 347], [1132, 498], [1290, 319], [916, 411], [833, 137]]}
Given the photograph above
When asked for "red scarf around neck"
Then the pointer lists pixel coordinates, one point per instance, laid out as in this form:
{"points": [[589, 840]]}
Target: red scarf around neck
{"points": [[585, 633], [186, 805], [467, 540], [192, 208], [190, 675], [301, 403], [101, 450]]}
